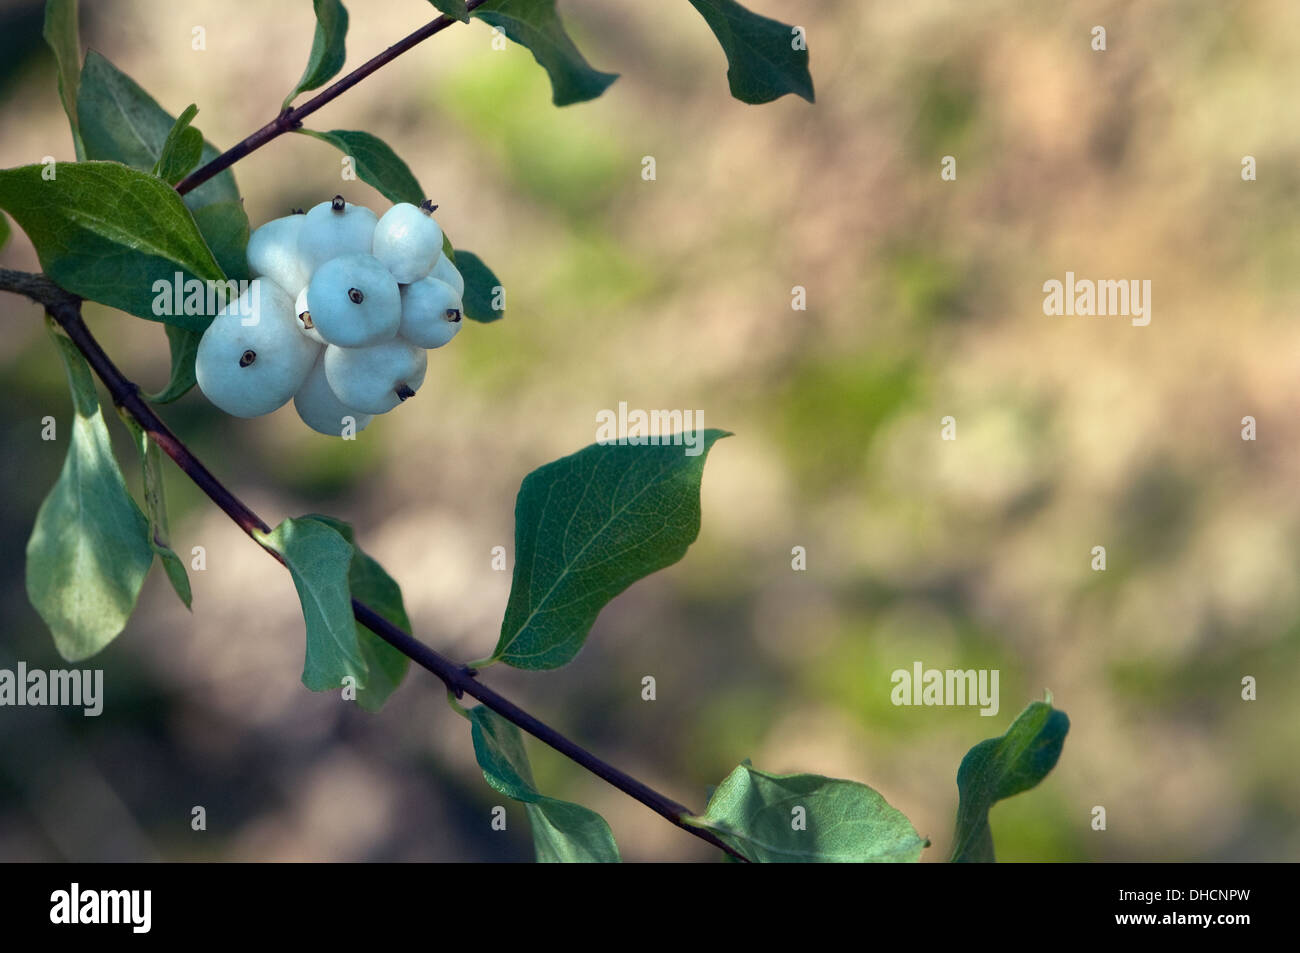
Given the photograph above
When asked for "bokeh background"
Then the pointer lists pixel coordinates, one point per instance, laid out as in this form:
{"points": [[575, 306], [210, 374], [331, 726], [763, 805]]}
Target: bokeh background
{"points": [[924, 300]]}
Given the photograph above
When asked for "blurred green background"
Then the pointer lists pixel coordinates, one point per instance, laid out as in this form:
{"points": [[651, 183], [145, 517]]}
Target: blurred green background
{"points": [[924, 300]]}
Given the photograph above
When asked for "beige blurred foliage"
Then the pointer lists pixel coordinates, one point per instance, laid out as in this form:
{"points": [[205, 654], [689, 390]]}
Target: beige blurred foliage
{"points": [[924, 300]]}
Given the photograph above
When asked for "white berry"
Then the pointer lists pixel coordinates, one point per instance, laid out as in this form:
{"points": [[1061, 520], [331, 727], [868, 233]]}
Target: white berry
{"points": [[375, 379], [444, 270], [319, 407], [431, 313], [408, 241], [248, 364], [335, 228], [273, 254], [354, 301]]}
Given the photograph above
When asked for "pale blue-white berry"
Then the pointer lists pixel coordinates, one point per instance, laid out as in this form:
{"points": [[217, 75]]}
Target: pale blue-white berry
{"points": [[252, 358], [321, 410], [444, 270], [408, 241], [354, 301], [431, 313], [375, 379], [335, 228], [273, 254]]}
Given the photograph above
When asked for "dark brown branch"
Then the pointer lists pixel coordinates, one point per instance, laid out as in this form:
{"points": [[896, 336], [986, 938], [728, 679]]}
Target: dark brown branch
{"points": [[291, 119], [65, 308]]}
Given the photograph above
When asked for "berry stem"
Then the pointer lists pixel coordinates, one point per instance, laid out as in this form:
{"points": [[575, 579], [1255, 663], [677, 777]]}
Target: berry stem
{"points": [[291, 119], [65, 309]]}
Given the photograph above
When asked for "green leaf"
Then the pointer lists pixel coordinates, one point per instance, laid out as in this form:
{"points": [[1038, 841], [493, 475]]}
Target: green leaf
{"points": [[181, 149], [535, 24], [375, 163], [587, 526], [757, 814], [320, 560], [1000, 767], [224, 227], [63, 36], [563, 832], [453, 8], [119, 121], [184, 345], [5, 232], [155, 509], [107, 233], [481, 285], [327, 48], [762, 62], [89, 550], [370, 584]]}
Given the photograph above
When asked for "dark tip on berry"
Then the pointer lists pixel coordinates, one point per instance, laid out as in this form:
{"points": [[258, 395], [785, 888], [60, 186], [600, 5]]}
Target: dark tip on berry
{"points": [[355, 296], [427, 207], [404, 391], [337, 203], [248, 357], [297, 211], [453, 315], [305, 318]]}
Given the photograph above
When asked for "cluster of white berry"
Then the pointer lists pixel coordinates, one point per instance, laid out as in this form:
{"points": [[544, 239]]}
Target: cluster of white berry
{"points": [[343, 310]]}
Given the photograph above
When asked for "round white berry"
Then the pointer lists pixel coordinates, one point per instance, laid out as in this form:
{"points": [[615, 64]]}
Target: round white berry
{"points": [[273, 254], [408, 241], [354, 301], [252, 358], [431, 313], [375, 379], [319, 407], [335, 228], [444, 270]]}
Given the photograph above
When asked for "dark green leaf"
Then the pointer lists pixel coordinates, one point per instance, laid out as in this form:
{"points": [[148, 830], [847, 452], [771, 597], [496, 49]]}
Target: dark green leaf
{"points": [[319, 560], [64, 38], [176, 575], [181, 149], [1000, 767], [121, 122], [587, 526], [762, 60], [758, 815], [108, 233], [155, 509], [89, 550], [184, 345], [453, 8], [481, 286], [563, 832], [375, 163], [224, 227], [535, 24], [327, 48], [4, 232], [370, 584]]}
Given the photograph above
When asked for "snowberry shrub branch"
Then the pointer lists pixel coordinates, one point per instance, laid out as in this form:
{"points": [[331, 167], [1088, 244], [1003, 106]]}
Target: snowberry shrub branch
{"points": [[351, 302]]}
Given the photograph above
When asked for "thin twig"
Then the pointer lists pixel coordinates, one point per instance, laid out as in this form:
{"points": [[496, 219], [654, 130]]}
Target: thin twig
{"points": [[291, 119], [65, 308]]}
